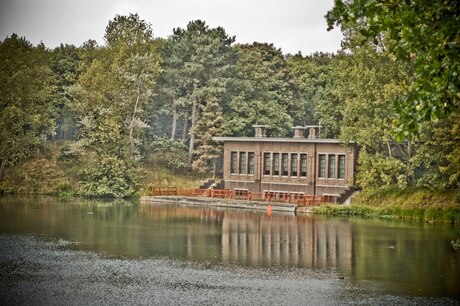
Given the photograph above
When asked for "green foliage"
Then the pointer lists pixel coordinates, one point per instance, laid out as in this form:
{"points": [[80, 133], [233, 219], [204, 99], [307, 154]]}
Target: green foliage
{"points": [[261, 91], [69, 152], [105, 98], [158, 175], [38, 175], [375, 170], [109, 101], [367, 83], [7, 187], [212, 124], [26, 95], [422, 33], [169, 153], [438, 156], [456, 244], [342, 210], [441, 215], [409, 197], [198, 63], [314, 78], [128, 31], [65, 66], [109, 176]]}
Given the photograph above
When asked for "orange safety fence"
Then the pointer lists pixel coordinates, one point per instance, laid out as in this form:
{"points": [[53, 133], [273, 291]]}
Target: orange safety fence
{"points": [[192, 192], [241, 194], [161, 191], [255, 196], [221, 193], [310, 200], [268, 196]]}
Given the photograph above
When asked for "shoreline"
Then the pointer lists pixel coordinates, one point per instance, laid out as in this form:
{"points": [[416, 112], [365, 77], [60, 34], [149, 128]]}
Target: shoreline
{"points": [[222, 203], [450, 215]]}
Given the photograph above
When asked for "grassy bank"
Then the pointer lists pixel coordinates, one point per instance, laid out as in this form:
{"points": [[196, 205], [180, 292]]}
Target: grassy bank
{"points": [[410, 197], [50, 172], [408, 204], [163, 177]]}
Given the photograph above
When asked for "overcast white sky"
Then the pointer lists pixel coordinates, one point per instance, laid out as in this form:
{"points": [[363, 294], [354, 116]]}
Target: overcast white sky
{"points": [[292, 25]]}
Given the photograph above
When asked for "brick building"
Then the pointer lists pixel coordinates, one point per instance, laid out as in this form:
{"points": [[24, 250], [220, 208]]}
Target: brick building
{"points": [[302, 165]]}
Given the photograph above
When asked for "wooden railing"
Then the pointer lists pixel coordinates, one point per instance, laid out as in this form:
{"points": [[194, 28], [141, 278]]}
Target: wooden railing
{"points": [[192, 192], [286, 197], [162, 191], [310, 200]]}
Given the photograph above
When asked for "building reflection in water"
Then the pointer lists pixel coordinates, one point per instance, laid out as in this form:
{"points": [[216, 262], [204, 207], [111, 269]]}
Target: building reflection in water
{"points": [[203, 234], [287, 240], [407, 256], [256, 239]]}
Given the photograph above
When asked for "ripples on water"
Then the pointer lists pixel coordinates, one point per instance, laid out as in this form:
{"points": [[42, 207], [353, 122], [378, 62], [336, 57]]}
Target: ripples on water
{"points": [[342, 256]]}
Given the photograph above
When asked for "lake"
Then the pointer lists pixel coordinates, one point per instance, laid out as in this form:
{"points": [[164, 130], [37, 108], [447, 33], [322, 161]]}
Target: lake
{"points": [[73, 251]]}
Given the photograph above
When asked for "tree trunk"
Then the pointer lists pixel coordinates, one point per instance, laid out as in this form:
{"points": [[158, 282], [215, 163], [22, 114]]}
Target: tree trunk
{"points": [[389, 149], [409, 155], [185, 127], [132, 119], [191, 146], [174, 122], [2, 169]]}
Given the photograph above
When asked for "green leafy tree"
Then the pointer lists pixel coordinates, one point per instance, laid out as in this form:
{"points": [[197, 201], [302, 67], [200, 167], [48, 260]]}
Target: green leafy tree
{"points": [[199, 65], [314, 77], [27, 88], [212, 123], [171, 90], [377, 170], [128, 32], [65, 65], [422, 33], [138, 76], [88, 52], [366, 83], [438, 157], [109, 100], [171, 153], [262, 91]]}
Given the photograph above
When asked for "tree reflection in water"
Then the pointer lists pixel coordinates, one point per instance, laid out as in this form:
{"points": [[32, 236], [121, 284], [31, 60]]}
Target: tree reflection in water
{"points": [[405, 256]]}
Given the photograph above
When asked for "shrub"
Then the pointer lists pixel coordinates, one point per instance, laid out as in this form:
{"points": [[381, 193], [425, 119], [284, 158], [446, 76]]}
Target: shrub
{"points": [[170, 153], [109, 176]]}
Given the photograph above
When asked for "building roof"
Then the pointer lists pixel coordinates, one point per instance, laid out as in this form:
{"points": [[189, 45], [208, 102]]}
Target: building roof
{"points": [[270, 139]]}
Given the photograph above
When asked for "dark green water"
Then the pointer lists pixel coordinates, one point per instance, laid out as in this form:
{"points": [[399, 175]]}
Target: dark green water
{"points": [[400, 258]]}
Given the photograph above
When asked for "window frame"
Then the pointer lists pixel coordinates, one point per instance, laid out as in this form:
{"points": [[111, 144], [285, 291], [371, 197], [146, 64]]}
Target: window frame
{"points": [[322, 165], [234, 162], [267, 162], [331, 166], [284, 164], [242, 166], [294, 165], [276, 164], [341, 166], [251, 163], [303, 164]]}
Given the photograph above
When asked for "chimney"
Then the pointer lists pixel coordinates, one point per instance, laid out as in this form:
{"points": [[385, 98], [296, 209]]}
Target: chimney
{"points": [[299, 132], [312, 133], [261, 130]]}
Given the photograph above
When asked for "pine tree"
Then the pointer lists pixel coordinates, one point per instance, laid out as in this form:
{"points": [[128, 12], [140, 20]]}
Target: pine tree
{"points": [[212, 123]]}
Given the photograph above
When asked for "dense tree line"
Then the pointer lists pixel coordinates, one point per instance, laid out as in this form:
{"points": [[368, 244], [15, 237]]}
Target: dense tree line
{"points": [[138, 98]]}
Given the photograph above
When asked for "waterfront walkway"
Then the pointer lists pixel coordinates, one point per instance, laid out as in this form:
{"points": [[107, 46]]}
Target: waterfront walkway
{"points": [[243, 199]]}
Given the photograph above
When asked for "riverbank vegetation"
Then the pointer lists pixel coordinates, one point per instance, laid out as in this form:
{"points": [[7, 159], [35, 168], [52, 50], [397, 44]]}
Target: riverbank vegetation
{"points": [[108, 120], [411, 203]]}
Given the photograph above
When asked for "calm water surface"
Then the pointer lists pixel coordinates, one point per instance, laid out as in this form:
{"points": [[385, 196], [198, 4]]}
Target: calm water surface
{"points": [[400, 258]]}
